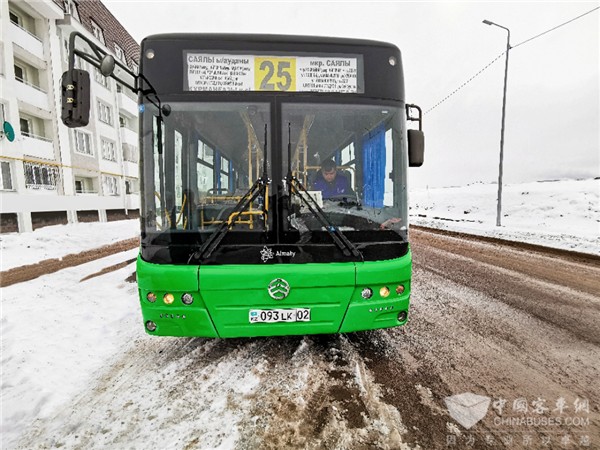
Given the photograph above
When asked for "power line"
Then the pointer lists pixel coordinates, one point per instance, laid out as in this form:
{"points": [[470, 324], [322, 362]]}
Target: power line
{"points": [[558, 26], [502, 54], [465, 83]]}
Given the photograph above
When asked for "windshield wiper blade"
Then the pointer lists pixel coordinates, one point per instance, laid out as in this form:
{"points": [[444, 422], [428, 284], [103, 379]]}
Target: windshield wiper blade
{"points": [[340, 239], [215, 238], [259, 187]]}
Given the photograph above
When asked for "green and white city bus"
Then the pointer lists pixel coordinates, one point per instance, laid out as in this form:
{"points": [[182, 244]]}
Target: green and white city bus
{"points": [[237, 238]]}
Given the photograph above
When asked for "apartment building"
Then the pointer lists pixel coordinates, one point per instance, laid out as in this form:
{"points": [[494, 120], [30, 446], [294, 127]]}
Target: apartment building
{"points": [[51, 174]]}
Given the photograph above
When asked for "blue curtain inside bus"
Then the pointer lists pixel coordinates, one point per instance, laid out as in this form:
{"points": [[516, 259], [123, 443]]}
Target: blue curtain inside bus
{"points": [[374, 167]]}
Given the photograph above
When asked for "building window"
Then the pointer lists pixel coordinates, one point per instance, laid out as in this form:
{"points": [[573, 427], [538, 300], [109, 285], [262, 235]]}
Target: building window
{"points": [[21, 19], [20, 73], [25, 125], [135, 68], [108, 150], [71, 8], [120, 53], [5, 176], [111, 185], [14, 18], [82, 143], [130, 153], [104, 113], [40, 176], [224, 176], [97, 31], [131, 186], [101, 78], [84, 185]]}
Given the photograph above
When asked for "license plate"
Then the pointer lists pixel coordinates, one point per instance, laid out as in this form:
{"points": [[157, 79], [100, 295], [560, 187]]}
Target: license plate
{"points": [[279, 315]]}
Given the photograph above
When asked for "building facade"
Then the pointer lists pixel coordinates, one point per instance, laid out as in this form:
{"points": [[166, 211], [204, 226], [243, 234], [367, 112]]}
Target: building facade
{"points": [[51, 174]]}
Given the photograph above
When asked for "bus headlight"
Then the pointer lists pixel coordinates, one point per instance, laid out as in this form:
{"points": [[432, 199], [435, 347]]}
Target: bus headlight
{"points": [[150, 326], [399, 289], [151, 297], [168, 299], [187, 299], [384, 291]]}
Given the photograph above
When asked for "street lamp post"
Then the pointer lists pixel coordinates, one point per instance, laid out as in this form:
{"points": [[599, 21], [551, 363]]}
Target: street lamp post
{"points": [[499, 209]]}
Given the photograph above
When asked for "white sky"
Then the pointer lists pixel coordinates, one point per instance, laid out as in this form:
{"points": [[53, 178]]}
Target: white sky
{"points": [[553, 101]]}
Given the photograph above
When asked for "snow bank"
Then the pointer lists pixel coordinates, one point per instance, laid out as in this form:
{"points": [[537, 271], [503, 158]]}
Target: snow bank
{"points": [[18, 249]]}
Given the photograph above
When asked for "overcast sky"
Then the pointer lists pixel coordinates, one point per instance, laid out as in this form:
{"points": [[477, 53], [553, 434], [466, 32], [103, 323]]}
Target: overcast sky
{"points": [[553, 101]]}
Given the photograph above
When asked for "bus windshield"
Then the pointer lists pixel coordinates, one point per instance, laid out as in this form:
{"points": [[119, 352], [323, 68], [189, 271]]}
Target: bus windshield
{"points": [[346, 157]]}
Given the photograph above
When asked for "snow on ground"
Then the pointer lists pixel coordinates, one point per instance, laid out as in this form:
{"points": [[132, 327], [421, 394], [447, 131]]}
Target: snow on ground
{"points": [[561, 214], [57, 332], [18, 249]]}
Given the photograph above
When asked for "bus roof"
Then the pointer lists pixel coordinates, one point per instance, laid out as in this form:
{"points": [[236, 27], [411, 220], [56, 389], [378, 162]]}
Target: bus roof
{"points": [[270, 38]]}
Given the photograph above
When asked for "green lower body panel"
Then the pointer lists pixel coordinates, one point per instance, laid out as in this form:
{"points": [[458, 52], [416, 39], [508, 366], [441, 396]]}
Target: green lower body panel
{"points": [[254, 300]]}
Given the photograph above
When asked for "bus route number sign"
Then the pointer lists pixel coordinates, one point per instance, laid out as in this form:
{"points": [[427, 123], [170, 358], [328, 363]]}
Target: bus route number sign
{"points": [[221, 72], [275, 74]]}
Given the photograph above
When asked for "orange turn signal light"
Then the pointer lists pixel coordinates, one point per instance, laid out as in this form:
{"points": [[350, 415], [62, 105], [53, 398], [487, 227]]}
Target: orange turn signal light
{"points": [[168, 298]]}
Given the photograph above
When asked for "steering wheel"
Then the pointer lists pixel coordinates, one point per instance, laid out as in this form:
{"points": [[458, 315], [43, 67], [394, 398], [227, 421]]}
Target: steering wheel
{"points": [[347, 200]]}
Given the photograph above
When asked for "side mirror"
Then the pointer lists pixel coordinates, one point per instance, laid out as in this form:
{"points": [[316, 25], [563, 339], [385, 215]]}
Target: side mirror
{"points": [[416, 148], [107, 65], [75, 86]]}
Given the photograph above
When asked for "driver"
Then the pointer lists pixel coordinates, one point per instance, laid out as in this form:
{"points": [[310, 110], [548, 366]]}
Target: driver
{"points": [[330, 182]]}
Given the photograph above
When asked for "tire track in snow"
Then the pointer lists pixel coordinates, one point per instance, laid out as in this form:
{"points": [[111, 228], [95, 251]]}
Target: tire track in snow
{"points": [[292, 392]]}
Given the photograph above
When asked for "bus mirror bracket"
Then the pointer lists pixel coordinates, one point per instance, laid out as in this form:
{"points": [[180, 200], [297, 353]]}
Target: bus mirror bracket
{"points": [[75, 83], [416, 138]]}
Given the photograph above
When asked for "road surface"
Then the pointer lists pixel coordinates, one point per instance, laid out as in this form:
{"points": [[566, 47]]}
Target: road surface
{"points": [[515, 325]]}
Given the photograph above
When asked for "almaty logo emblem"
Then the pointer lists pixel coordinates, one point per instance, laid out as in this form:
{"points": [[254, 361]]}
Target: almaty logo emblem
{"points": [[266, 254], [279, 289]]}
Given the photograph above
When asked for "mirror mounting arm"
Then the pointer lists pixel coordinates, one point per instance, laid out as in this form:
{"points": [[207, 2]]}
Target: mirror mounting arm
{"points": [[419, 118], [96, 61]]}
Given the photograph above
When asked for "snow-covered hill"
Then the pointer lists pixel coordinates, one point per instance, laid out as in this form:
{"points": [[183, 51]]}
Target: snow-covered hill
{"points": [[562, 214]]}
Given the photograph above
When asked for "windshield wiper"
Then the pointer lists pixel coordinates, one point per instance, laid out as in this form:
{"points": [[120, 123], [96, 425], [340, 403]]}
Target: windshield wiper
{"points": [[295, 187], [259, 187], [340, 239]]}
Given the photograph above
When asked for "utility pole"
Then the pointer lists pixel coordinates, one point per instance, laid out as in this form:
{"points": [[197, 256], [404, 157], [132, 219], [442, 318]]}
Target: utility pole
{"points": [[500, 168]]}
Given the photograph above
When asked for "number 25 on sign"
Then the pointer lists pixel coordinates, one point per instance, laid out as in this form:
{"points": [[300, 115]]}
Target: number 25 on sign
{"points": [[275, 74]]}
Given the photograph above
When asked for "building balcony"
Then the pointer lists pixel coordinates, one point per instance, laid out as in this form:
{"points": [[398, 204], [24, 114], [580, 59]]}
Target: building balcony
{"points": [[27, 40], [127, 104], [31, 95], [132, 201], [38, 146], [130, 169], [48, 9], [129, 137]]}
